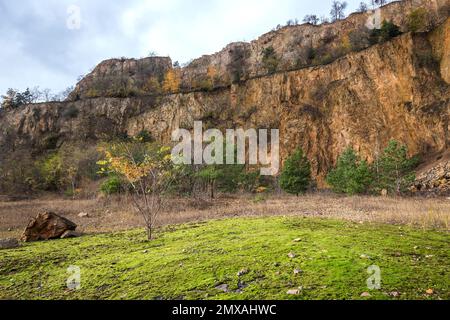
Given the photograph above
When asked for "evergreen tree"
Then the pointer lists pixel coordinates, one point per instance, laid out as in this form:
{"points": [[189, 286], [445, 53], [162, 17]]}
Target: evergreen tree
{"points": [[395, 168], [296, 175], [351, 175]]}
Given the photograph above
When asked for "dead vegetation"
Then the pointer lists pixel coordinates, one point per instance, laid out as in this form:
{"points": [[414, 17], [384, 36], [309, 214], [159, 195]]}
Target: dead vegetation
{"points": [[116, 213]]}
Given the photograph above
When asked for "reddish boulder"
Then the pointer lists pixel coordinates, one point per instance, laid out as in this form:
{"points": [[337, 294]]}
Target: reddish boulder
{"points": [[46, 226]]}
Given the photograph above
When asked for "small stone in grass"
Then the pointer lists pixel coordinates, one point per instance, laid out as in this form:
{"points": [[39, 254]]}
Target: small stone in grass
{"points": [[297, 271], [364, 256], [242, 272], [291, 255], [297, 240], [429, 291], [365, 294], [394, 294], [223, 287], [294, 292]]}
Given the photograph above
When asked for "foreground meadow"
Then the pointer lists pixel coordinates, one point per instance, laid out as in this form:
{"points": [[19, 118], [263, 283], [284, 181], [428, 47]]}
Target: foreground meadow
{"points": [[237, 258]]}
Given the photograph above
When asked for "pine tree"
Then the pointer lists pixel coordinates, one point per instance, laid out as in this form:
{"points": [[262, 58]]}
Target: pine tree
{"points": [[296, 175], [396, 169], [351, 175]]}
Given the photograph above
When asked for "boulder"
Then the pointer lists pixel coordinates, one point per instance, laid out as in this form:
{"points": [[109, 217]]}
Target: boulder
{"points": [[46, 226], [9, 243]]}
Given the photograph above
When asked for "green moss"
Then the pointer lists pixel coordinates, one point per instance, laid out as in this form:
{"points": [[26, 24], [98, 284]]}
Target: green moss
{"points": [[189, 261]]}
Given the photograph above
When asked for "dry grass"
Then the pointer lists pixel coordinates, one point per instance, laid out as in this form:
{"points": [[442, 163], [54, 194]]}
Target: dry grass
{"points": [[116, 214]]}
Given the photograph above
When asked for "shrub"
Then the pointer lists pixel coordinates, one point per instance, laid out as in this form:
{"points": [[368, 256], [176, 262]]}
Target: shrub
{"points": [[112, 185], [296, 175], [417, 20], [351, 175], [388, 31], [270, 60], [144, 136]]}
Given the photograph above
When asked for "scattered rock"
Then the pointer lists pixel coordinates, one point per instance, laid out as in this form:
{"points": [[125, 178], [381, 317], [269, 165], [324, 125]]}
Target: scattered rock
{"points": [[430, 291], [223, 287], [364, 256], [384, 193], [434, 181], [297, 271], [429, 256], [83, 215], [70, 234], [242, 272], [9, 243], [9, 229], [297, 240], [145, 251], [365, 294], [291, 255], [46, 226], [394, 294], [294, 292]]}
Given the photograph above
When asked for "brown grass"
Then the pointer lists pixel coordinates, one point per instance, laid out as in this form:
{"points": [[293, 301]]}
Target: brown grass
{"points": [[116, 214]]}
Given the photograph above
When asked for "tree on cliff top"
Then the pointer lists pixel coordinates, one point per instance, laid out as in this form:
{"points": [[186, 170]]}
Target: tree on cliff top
{"points": [[338, 10]]}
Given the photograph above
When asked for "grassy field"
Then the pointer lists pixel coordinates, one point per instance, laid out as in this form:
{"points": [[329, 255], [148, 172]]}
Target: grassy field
{"points": [[196, 261]]}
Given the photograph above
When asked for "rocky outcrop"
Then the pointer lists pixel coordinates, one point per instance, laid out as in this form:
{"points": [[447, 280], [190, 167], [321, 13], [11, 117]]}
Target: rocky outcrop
{"points": [[47, 226], [122, 77]]}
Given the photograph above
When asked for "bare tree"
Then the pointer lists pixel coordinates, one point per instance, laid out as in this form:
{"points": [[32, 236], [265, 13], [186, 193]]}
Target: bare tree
{"points": [[363, 7], [312, 19], [338, 10]]}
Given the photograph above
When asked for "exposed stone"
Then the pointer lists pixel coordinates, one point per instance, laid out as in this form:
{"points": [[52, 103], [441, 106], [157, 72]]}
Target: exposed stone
{"points": [[242, 272], [223, 287], [47, 225], [83, 215], [70, 234], [293, 292], [9, 243], [434, 178]]}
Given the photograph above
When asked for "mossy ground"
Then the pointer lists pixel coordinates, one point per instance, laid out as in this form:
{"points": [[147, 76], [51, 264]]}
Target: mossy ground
{"points": [[190, 261]]}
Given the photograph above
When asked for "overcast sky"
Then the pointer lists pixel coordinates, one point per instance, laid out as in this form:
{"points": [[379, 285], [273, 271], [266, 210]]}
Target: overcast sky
{"points": [[42, 43]]}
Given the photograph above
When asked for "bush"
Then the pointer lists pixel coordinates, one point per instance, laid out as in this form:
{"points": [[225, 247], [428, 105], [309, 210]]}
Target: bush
{"points": [[144, 136], [351, 175], [418, 20], [296, 175], [388, 31], [270, 60], [112, 185]]}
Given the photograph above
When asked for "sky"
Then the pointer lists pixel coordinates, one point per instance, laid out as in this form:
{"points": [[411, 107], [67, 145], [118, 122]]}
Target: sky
{"points": [[51, 43]]}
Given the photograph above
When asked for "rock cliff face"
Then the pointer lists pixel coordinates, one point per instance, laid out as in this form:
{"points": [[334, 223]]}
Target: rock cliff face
{"points": [[398, 89], [294, 46]]}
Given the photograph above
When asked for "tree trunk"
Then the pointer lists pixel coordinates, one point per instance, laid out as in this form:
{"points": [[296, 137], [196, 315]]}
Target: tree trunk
{"points": [[149, 233]]}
